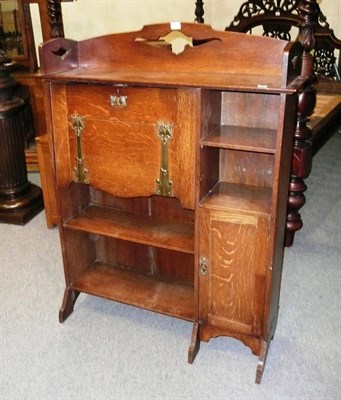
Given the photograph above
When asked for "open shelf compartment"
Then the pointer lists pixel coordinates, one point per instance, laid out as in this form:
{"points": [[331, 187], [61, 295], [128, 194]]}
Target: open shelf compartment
{"points": [[242, 138], [238, 197], [139, 290], [142, 229]]}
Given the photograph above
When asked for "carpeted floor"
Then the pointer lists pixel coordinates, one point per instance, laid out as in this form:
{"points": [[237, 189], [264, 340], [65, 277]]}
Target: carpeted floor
{"points": [[109, 351]]}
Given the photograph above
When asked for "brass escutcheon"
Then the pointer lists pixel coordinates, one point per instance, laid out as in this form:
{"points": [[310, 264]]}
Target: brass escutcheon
{"points": [[203, 266], [118, 101]]}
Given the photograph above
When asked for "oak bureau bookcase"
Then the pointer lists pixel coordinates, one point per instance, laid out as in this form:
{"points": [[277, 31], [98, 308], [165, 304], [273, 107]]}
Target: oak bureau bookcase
{"points": [[172, 151]]}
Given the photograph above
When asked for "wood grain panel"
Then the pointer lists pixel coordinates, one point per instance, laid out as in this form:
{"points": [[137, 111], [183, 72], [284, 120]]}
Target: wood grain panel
{"points": [[232, 291], [142, 104], [250, 109], [248, 168], [121, 148]]}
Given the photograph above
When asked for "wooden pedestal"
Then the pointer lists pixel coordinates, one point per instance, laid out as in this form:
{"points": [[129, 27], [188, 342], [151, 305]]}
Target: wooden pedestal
{"points": [[19, 199]]}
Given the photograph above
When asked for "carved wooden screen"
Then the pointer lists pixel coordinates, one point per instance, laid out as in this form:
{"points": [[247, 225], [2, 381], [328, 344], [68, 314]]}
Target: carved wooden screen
{"points": [[277, 19]]}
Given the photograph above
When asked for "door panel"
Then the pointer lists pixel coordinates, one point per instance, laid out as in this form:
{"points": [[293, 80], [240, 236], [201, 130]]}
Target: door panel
{"points": [[231, 293], [143, 147]]}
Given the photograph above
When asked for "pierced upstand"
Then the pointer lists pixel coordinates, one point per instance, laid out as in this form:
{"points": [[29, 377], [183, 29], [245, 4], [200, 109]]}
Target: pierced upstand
{"points": [[19, 199]]}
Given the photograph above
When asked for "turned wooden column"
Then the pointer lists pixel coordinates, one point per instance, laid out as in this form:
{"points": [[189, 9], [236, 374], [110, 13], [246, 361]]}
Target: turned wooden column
{"points": [[199, 11], [302, 153], [19, 199], [54, 9]]}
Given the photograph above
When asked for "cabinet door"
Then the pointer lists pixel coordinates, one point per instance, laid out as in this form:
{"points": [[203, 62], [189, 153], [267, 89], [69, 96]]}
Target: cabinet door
{"points": [[128, 141], [232, 268]]}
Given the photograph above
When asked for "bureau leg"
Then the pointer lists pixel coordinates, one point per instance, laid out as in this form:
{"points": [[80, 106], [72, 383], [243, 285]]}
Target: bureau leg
{"points": [[265, 344], [69, 299], [195, 343]]}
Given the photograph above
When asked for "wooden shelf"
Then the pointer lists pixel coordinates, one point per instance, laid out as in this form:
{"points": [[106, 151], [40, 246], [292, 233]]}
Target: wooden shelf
{"points": [[138, 290], [142, 229], [232, 196], [242, 138]]}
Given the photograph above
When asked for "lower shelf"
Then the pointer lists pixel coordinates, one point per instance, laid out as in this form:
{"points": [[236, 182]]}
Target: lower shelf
{"points": [[138, 290]]}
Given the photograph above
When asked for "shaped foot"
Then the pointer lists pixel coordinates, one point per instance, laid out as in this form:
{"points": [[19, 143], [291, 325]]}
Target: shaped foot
{"points": [[70, 297], [262, 360], [195, 343]]}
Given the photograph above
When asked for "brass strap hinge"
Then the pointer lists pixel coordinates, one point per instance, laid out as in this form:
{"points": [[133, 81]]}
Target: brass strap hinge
{"points": [[81, 173], [163, 183]]}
